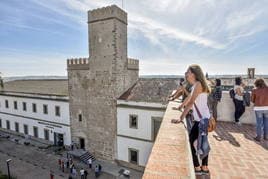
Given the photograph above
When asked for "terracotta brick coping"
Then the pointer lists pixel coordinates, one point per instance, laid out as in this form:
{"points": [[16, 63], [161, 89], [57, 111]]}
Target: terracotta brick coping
{"points": [[171, 154]]}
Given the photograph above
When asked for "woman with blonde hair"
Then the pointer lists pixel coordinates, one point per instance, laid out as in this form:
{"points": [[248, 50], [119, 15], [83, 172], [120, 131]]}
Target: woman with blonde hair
{"points": [[260, 99], [197, 101]]}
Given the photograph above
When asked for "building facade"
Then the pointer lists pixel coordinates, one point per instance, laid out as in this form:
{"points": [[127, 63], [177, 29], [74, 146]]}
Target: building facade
{"points": [[41, 116], [139, 115]]}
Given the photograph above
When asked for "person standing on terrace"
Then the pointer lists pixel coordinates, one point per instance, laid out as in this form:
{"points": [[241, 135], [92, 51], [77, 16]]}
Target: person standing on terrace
{"points": [[238, 99], [198, 98], [214, 98], [182, 90], [260, 99]]}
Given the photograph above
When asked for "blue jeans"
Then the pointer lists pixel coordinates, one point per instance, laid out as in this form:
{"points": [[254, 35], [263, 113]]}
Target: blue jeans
{"points": [[262, 123]]}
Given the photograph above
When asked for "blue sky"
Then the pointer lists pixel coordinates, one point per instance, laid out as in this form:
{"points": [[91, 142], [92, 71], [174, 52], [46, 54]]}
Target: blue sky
{"points": [[224, 37]]}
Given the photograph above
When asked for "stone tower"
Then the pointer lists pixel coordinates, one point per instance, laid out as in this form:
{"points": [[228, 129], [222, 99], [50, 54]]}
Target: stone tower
{"points": [[96, 82]]}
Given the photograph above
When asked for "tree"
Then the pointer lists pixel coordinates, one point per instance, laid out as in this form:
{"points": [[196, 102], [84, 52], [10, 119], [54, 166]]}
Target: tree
{"points": [[1, 81]]}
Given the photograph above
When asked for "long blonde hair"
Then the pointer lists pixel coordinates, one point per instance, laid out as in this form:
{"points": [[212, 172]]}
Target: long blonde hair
{"points": [[199, 76]]}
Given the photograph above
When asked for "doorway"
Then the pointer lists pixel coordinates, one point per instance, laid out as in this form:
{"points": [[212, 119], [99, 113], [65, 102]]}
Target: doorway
{"points": [[58, 139], [82, 143]]}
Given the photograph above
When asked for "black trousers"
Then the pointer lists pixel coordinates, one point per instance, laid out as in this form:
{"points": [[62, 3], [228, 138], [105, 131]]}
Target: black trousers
{"points": [[239, 109], [193, 136]]}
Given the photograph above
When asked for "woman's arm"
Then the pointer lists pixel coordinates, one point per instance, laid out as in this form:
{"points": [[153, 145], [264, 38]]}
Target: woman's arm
{"points": [[185, 102], [178, 93], [178, 90]]}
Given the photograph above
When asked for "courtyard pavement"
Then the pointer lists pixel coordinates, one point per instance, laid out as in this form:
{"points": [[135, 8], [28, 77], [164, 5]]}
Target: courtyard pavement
{"points": [[234, 154], [29, 162]]}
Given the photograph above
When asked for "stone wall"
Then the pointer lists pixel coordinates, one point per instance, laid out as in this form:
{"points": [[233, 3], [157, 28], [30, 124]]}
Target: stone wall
{"points": [[226, 110], [93, 91]]}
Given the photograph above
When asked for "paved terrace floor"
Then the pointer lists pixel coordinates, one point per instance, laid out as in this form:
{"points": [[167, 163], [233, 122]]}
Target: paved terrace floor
{"points": [[235, 154]]}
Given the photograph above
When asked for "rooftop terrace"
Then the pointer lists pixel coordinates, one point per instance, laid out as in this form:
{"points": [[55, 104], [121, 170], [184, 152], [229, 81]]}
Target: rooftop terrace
{"points": [[234, 153]]}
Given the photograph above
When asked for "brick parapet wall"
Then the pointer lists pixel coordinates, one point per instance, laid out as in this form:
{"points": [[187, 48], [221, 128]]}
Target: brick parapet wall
{"points": [[171, 155]]}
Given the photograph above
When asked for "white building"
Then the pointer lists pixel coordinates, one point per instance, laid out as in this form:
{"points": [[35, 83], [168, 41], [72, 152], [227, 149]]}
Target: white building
{"points": [[139, 114], [38, 108]]}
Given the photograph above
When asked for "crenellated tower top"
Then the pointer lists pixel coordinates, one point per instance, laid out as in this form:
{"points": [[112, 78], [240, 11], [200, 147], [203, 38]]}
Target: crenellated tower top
{"points": [[105, 13]]}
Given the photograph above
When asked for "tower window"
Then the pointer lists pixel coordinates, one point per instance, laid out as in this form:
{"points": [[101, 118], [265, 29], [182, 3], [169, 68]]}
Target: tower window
{"points": [[79, 117], [133, 121]]}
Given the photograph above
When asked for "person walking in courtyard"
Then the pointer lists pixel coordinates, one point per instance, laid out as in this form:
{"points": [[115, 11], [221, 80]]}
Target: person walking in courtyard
{"points": [[74, 172], [100, 167], [59, 162], [71, 168], [70, 161], [89, 163], [96, 171], [72, 145], [198, 103], [62, 165], [67, 163], [82, 173], [51, 175], [238, 99], [85, 173], [260, 99]]}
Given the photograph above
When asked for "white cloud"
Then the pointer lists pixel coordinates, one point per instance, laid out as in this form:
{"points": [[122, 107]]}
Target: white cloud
{"points": [[154, 29], [242, 18], [201, 29], [209, 31], [172, 6], [162, 30]]}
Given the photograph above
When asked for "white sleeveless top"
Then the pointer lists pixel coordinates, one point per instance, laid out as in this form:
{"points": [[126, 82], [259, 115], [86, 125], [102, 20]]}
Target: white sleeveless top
{"points": [[240, 98], [202, 103]]}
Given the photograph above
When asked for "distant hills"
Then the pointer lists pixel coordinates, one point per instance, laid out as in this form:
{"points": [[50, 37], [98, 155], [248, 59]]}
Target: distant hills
{"points": [[34, 78], [142, 76]]}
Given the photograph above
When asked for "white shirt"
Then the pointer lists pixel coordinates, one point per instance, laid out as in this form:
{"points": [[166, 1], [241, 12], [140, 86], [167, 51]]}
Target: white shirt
{"points": [[82, 172]]}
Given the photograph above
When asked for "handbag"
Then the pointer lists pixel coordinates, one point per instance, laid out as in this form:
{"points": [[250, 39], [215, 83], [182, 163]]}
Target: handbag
{"points": [[212, 121]]}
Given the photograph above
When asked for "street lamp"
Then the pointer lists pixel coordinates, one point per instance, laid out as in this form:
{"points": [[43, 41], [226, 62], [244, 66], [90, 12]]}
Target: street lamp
{"points": [[8, 160]]}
